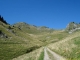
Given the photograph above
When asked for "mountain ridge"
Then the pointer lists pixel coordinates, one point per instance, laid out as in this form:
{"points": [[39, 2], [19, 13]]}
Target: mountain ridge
{"points": [[23, 38]]}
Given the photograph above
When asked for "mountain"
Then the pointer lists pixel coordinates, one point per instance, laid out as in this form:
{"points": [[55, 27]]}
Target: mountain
{"points": [[20, 37], [23, 38], [32, 28]]}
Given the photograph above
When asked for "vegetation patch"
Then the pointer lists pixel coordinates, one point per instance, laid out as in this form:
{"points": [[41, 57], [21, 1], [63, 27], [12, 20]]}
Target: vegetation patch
{"points": [[32, 48], [41, 56], [70, 49]]}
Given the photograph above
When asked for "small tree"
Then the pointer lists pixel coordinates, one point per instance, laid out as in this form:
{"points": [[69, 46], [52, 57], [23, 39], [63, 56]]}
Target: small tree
{"points": [[2, 20], [0, 16]]}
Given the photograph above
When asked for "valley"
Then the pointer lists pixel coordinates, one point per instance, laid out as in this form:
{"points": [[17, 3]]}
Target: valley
{"points": [[22, 41]]}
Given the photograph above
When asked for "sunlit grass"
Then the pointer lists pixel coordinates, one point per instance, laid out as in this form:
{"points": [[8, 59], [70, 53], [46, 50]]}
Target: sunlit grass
{"points": [[68, 47], [41, 57], [34, 55]]}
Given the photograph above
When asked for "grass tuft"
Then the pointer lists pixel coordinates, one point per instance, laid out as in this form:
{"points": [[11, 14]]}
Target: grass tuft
{"points": [[41, 56]]}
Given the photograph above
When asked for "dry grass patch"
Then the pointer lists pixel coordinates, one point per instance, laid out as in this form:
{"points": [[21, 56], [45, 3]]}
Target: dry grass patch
{"points": [[30, 56], [66, 47]]}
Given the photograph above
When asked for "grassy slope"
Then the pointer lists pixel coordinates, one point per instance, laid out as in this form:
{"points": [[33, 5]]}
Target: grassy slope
{"points": [[68, 47], [17, 43], [25, 41], [34, 55], [20, 41], [53, 37]]}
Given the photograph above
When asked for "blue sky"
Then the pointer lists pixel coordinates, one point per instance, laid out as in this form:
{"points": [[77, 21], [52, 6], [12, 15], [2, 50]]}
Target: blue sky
{"points": [[51, 13]]}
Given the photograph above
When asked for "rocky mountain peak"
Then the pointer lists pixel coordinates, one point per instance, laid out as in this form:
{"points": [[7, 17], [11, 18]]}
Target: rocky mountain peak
{"points": [[72, 26]]}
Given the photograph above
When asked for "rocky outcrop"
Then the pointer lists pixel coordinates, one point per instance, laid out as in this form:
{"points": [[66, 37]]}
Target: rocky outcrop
{"points": [[72, 27]]}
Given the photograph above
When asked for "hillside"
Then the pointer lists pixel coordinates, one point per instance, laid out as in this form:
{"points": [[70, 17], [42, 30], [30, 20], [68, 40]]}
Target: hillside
{"points": [[22, 39], [68, 47]]}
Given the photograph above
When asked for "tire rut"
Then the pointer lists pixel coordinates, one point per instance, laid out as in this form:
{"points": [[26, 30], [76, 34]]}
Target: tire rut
{"points": [[55, 56], [46, 56]]}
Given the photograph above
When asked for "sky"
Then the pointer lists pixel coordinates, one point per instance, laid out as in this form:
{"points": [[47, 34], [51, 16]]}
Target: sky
{"points": [[51, 13]]}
